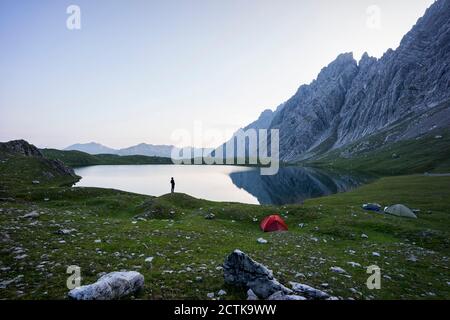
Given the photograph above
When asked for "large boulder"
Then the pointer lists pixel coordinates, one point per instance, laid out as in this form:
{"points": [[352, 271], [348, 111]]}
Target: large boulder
{"points": [[241, 270], [112, 286]]}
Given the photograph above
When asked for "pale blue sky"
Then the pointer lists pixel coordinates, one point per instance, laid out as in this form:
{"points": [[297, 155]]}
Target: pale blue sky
{"points": [[137, 70]]}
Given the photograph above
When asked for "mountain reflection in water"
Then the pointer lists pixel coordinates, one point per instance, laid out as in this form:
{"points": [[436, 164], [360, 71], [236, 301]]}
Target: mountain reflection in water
{"points": [[295, 184]]}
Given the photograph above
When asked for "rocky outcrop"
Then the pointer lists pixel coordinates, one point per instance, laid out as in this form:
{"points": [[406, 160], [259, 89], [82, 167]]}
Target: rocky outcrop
{"points": [[20, 147], [112, 286], [309, 292], [23, 148], [309, 117], [241, 270]]}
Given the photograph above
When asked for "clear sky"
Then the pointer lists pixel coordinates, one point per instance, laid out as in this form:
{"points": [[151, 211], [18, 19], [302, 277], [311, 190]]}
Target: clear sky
{"points": [[138, 70]]}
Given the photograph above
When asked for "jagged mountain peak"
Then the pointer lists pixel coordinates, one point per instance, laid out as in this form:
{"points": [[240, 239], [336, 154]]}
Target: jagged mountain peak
{"points": [[352, 100]]}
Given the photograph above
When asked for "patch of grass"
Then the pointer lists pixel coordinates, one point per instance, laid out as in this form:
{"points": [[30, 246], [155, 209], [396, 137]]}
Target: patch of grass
{"points": [[420, 155]]}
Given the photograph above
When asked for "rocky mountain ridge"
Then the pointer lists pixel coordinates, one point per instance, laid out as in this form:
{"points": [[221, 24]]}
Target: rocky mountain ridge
{"points": [[402, 95]]}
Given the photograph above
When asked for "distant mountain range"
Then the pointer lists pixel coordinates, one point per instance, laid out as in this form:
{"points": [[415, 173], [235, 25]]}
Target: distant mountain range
{"points": [[142, 149]]}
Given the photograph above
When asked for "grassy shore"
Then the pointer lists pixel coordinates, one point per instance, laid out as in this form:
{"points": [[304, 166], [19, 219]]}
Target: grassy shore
{"points": [[81, 159], [189, 250]]}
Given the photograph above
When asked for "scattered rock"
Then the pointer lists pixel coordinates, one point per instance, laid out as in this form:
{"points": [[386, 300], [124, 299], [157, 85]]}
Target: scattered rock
{"points": [[114, 285], [308, 291], [35, 182], [338, 270], [31, 215], [354, 264], [210, 295], [241, 270], [364, 236], [7, 199], [65, 231], [262, 241], [221, 293], [210, 216], [281, 296], [149, 259]]}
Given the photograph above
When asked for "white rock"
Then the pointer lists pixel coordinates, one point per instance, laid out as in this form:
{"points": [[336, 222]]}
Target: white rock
{"points": [[281, 296], [97, 241], [354, 264], [31, 215], [364, 236], [262, 241], [210, 295], [149, 259], [309, 291], [376, 254], [111, 286], [221, 292], [338, 270]]}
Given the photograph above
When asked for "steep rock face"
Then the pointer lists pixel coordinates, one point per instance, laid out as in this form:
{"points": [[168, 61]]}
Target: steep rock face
{"points": [[405, 82], [350, 101], [310, 115]]}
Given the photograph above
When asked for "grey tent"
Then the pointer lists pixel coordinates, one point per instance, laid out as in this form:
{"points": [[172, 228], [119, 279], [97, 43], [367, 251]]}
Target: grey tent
{"points": [[400, 210]]}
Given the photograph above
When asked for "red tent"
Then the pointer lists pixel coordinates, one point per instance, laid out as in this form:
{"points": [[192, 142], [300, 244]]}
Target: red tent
{"points": [[273, 223]]}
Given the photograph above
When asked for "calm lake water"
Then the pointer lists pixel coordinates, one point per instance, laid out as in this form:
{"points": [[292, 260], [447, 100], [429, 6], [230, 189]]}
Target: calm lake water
{"points": [[222, 183]]}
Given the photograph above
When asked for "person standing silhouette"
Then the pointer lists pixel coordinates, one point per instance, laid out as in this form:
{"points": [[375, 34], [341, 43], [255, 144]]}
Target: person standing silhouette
{"points": [[172, 183]]}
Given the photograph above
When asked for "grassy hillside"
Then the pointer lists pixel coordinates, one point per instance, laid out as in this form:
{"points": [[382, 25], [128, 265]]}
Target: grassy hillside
{"points": [[429, 153], [188, 250], [80, 159]]}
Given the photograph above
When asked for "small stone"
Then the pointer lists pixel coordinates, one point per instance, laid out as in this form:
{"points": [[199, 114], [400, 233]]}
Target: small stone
{"points": [[354, 264], [221, 293], [262, 241], [338, 270], [210, 295], [31, 215], [149, 259], [210, 216]]}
